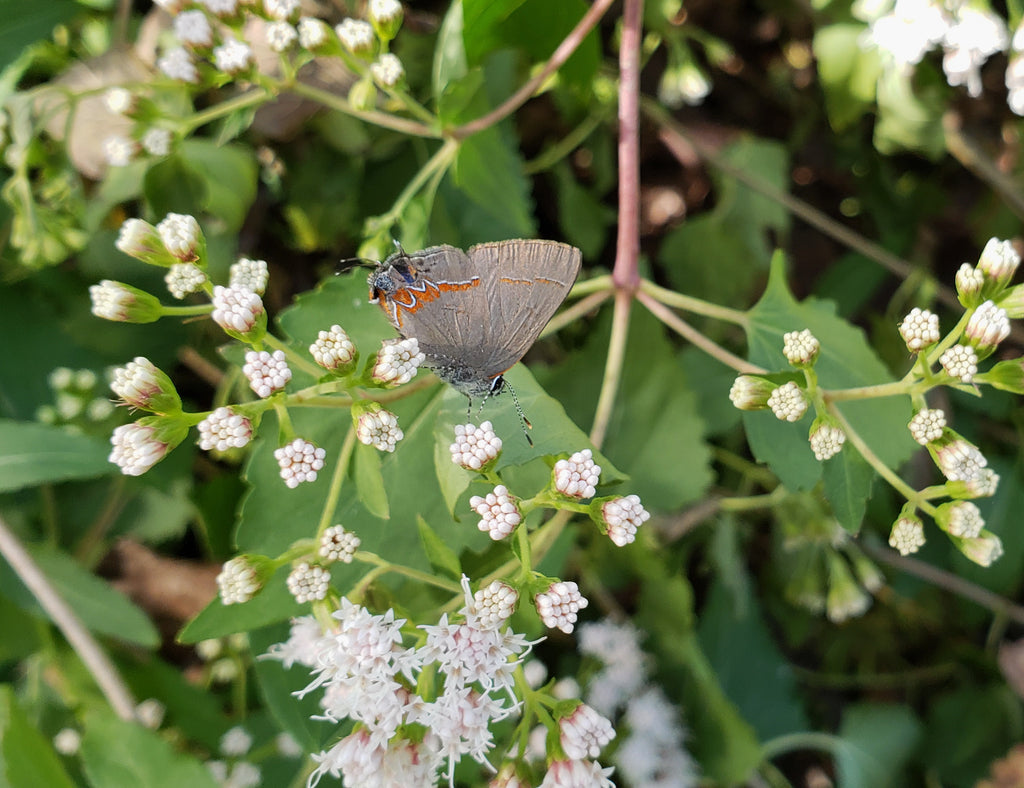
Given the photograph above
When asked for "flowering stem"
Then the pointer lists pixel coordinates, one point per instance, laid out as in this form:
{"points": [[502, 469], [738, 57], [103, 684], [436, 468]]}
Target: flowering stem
{"points": [[950, 339], [613, 367], [893, 389], [393, 122], [407, 571], [438, 163], [695, 305], [521, 96], [293, 356], [752, 502], [685, 330], [88, 650], [252, 98], [186, 311], [598, 283], [575, 312], [334, 490]]}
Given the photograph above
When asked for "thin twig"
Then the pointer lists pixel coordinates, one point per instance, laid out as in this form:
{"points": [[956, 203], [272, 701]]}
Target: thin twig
{"points": [[525, 93], [970, 155], [688, 332], [612, 368], [947, 580], [576, 311], [81, 640]]}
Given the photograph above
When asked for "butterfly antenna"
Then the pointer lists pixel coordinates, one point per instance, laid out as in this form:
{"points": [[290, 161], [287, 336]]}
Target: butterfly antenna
{"points": [[522, 416]]}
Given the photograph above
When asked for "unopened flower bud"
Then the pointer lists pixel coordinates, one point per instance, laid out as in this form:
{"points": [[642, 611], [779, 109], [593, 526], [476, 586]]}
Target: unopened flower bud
{"points": [[927, 425], [920, 329], [182, 236], [138, 447], [960, 362], [788, 402], [969, 284], [386, 17], [983, 549], [960, 518], [986, 328], [846, 598], [999, 261], [750, 392], [800, 348], [356, 36], [241, 578], [124, 303], [826, 439], [141, 384], [907, 535], [141, 240]]}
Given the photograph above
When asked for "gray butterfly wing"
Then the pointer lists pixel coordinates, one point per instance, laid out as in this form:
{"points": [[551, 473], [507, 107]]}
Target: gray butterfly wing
{"points": [[525, 281]]}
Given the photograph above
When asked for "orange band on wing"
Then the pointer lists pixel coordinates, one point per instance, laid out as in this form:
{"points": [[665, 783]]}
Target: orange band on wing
{"points": [[412, 297]]}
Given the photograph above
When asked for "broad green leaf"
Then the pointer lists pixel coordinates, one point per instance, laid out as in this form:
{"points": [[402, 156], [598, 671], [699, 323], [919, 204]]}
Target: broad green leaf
{"points": [[740, 649], [27, 21], [369, 480], [22, 635], [877, 741], [848, 481], [848, 71], [450, 64], [231, 176], [235, 124], [846, 360], [442, 558], [910, 113], [174, 185], [26, 758], [584, 219], [269, 606], [101, 608], [32, 454], [655, 433], [116, 753], [723, 743], [535, 26], [278, 685]]}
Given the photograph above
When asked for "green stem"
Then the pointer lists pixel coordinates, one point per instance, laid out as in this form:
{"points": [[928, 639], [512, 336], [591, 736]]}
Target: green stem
{"points": [[186, 311], [438, 163], [383, 119], [752, 502], [551, 156], [695, 305], [406, 571], [334, 491], [893, 389], [217, 111]]}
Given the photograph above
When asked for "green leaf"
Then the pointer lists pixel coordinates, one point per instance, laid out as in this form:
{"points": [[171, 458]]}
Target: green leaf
{"points": [[877, 741], [26, 758], [909, 119], [848, 71], [116, 753], [441, 557], [846, 360], [450, 59], [723, 743], [231, 176], [27, 21], [101, 608], [370, 481], [174, 185], [848, 481], [235, 124], [534, 26], [584, 219], [32, 454]]}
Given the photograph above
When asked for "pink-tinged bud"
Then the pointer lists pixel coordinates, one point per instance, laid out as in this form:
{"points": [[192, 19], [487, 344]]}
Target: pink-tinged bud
{"points": [[141, 240], [983, 549], [124, 303], [986, 328], [138, 447], [141, 384], [999, 261]]}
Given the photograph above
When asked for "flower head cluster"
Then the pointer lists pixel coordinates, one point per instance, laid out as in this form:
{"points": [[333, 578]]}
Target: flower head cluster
{"points": [[379, 428], [119, 151], [788, 402], [299, 461], [577, 774], [475, 447], [958, 459], [749, 392], [987, 327], [184, 278], [920, 329], [927, 425], [397, 361], [177, 64], [356, 36], [157, 141], [141, 385], [367, 675], [559, 605], [308, 582], [960, 362], [181, 235], [251, 275], [281, 36], [577, 476], [999, 261], [827, 441], [494, 605], [960, 518], [313, 33], [337, 544], [123, 303], [969, 283], [333, 350], [907, 535], [224, 429], [232, 57], [624, 516], [237, 310], [982, 549], [800, 347], [266, 372], [137, 448], [239, 581], [388, 70], [584, 733], [498, 511]]}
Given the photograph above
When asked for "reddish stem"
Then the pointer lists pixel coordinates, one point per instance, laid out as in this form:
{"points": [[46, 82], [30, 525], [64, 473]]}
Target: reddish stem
{"points": [[625, 276]]}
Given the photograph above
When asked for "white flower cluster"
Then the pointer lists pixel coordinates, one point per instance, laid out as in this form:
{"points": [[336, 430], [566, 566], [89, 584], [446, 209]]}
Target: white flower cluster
{"points": [[559, 605], [238, 581], [498, 511], [308, 582], [919, 329], [379, 429], [332, 349], [337, 544], [299, 461], [181, 234], [136, 449], [251, 275], [927, 425], [624, 516], [266, 372], [827, 441], [907, 535], [960, 362], [370, 677], [475, 447], [136, 382], [397, 361], [788, 402], [655, 745], [577, 476], [224, 429], [800, 347], [236, 309], [968, 36], [184, 278]]}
